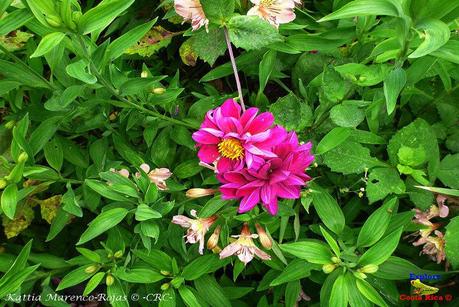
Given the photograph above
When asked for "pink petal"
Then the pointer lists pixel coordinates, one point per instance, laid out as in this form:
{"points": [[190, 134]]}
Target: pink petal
{"points": [[208, 153], [261, 123], [289, 192], [248, 116], [231, 108], [203, 137], [230, 250], [272, 207], [259, 152], [249, 202]]}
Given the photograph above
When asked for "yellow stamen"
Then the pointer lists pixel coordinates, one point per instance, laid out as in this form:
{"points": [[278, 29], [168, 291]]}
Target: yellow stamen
{"points": [[231, 148]]}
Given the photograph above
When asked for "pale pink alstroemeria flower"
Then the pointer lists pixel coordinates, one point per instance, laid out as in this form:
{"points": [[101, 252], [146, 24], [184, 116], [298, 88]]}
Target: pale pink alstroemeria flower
{"points": [[158, 176], [244, 247], [274, 11], [191, 10], [197, 227], [123, 172]]}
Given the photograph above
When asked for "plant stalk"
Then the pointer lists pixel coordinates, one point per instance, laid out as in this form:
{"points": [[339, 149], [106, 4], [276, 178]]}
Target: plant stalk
{"points": [[233, 64]]}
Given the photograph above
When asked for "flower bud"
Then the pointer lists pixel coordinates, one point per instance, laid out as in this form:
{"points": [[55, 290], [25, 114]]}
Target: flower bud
{"points": [[263, 237], [3, 183], [109, 280], [118, 254], [91, 269], [335, 260], [360, 275], [216, 250], [10, 124], [370, 269], [197, 192], [159, 90], [328, 268], [53, 21], [144, 74], [177, 282], [165, 273], [23, 157], [110, 255], [165, 286], [213, 240]]}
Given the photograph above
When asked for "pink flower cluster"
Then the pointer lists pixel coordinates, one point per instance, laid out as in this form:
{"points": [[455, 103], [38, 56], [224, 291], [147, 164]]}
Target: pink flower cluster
{"points": [[255, 160]]}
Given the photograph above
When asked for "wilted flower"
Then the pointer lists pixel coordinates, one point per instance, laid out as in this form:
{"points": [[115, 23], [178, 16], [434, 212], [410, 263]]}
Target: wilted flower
{"points": [[197, 192], [274, 11], [191, 10], [158, 176], [263, 237], [435, 247], [244, 247], [230, 137], [213, 240], [197, 228], [281, 176]]}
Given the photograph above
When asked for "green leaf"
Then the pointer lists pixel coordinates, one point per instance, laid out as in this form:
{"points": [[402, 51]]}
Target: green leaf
{"points": [[393, 85], [14, 21], [139, 275], [435, 33], [74, 278], [212, 206], [54, 154], [102, 15], [93, 283], [339, 296], [350, 158], [396, 268], [117, 290], [382, 250], [47, 43], [202, 265], [330, 240], [9, 200], [448, 172], [209, 289], [188, 297], [41, 135], [364, 8], [451, 242], [102, 223], [297, 269], [335, 137], [265, 69], [104, 190], [128, 39], [329, 211], [79, 70], [292, 292], [251, 32], [292, 113], [218, 10], [382, 182], [375, 226], [89, 254], [187, 169], [23, 74], [451, 192], [347, 115], [370, 293], [209, 46], [417, 134], [449, 51], [312, 251], [144, 213], [156, 259], [16, 267]]}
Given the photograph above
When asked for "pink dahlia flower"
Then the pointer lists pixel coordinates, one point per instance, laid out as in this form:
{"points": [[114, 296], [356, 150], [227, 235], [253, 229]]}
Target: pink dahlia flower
{"points": [[231, 138], [276, 177]]}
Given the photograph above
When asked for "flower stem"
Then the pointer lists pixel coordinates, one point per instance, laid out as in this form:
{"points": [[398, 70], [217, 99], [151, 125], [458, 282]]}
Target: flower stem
{"points": [[233, 63]]}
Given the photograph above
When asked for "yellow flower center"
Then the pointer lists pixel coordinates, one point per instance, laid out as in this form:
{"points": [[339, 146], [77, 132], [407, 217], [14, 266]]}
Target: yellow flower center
{"points": [[231, 149]]}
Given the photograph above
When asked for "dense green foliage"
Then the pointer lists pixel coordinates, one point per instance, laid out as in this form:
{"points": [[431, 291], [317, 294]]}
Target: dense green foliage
{"points": [[88, 87]]}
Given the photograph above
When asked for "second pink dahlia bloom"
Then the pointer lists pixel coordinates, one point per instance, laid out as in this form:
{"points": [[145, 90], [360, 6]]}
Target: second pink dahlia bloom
{"points": [[281, 176], [233, 139]]}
